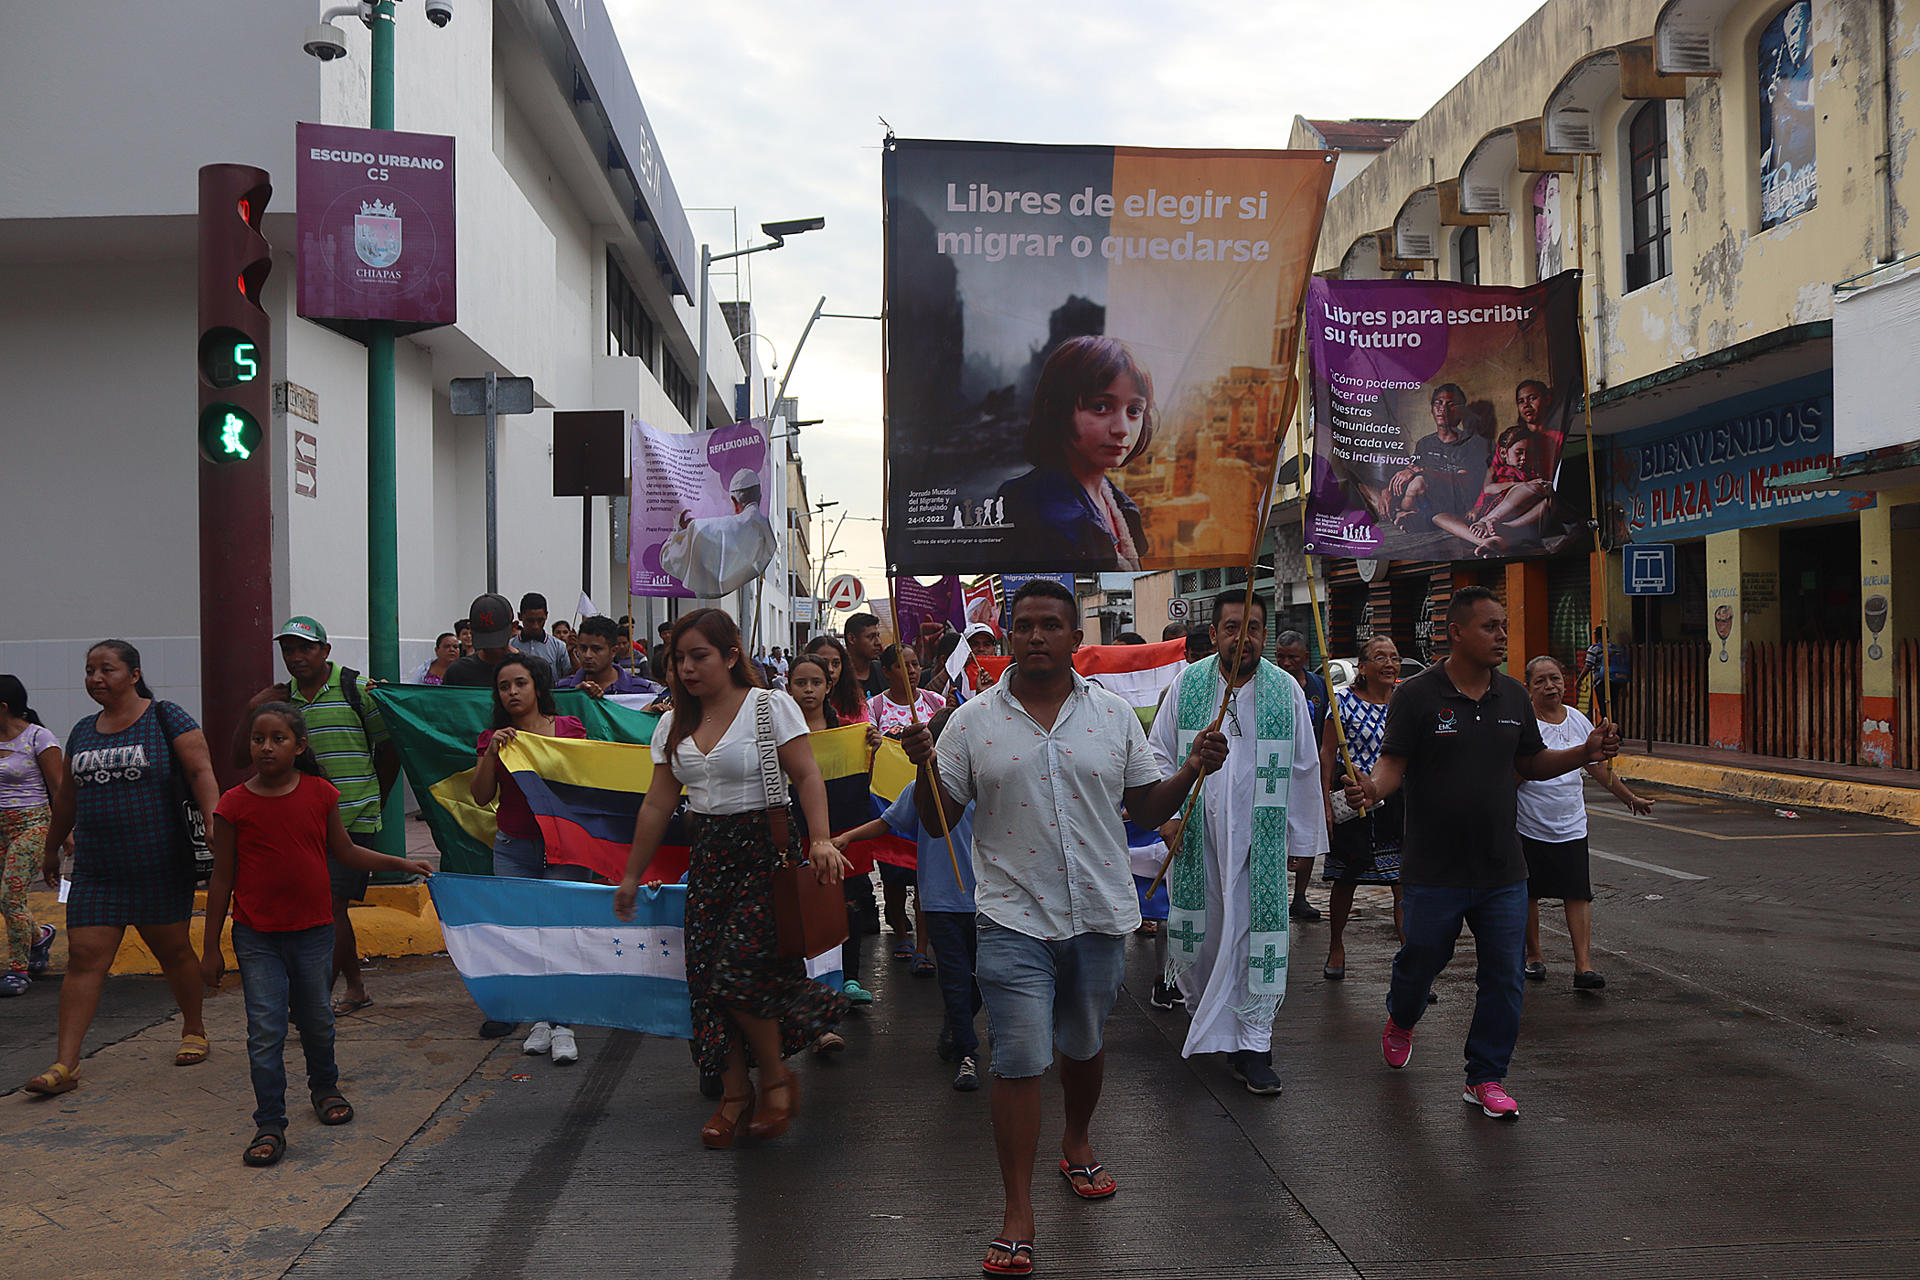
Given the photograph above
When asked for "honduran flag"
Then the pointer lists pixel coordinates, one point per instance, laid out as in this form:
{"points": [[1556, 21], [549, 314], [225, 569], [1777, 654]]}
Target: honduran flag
{"points": [[553, 951], [1140, 673], [586, 795]]}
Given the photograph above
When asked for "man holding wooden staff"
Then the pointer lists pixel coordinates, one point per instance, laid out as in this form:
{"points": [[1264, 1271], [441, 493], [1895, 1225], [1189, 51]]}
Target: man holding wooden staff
{"points": [[1460, 737], [1049, 760], [1227, 938]]}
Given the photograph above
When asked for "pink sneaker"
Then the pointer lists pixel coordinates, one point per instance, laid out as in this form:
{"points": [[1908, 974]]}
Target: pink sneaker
{"points": [[1492, 1100], [1396, 1044]]}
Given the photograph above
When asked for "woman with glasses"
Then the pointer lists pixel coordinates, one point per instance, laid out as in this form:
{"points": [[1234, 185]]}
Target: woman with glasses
{"points": [[1365, 847]]}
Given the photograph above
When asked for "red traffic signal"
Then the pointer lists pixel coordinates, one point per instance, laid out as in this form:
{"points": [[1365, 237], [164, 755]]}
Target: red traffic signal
{"points": [[236, 385]]}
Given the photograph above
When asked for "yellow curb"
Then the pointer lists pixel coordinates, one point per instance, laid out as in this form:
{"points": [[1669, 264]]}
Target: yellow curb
{"points": [[396, 920], [1787, 790]]}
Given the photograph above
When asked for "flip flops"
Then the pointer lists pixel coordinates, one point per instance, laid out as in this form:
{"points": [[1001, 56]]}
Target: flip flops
{"points": [[193, 1051], [1089, 1172], [1019, 1258], [344, 1005]]}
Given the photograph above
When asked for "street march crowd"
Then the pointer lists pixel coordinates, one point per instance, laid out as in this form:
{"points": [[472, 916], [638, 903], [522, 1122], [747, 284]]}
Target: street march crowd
{"points": [[1048, 823]]}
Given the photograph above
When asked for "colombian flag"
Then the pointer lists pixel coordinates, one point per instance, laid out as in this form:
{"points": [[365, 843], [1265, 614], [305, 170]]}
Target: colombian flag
{"points": [[586, 795]]}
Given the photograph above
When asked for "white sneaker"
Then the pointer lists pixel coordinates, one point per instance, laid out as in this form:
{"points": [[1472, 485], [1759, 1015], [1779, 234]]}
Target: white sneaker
{"points": [[564, 1049], [540, 1039]]}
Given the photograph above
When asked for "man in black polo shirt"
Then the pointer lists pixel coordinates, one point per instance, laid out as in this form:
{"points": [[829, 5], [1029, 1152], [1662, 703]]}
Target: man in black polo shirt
{"points": [[1458, 735]]}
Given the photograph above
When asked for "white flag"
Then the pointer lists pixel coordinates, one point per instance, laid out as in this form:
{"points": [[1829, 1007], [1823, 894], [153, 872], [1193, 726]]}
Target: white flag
{"points": [[585, 609]]}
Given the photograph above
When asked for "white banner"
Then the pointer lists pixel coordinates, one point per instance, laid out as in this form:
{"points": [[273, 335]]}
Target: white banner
{"points": [[1876, 381]]}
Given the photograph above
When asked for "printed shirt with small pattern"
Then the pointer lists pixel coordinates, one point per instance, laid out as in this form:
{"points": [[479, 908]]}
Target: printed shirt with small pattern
{"points": [[1049, 848], [345, 746]]}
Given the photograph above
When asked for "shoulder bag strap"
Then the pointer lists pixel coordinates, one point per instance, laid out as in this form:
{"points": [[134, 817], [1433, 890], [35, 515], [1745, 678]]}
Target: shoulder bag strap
{"points": [[769, 751]]}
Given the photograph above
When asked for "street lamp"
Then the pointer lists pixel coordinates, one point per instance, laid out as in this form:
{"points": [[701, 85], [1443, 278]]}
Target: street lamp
{"points": [[777, 232]]}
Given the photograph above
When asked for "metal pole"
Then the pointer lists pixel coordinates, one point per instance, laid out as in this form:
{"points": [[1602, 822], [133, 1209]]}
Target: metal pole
{"points": [[699, 422], [586, 545], [493, 488], [383, 532], [793, 357]]}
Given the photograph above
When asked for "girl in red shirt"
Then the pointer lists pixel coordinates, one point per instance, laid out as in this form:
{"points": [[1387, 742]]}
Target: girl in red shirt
{"points": [[271, 837]]}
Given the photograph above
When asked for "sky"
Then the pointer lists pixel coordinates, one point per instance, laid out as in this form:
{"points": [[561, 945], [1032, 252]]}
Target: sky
{"points": [[775, 111]]}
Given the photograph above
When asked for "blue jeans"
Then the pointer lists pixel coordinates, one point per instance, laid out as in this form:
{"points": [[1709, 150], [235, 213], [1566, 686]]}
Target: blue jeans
{"points": [[1046, 995], [282, 974], [1431, 916], [955, 948]]}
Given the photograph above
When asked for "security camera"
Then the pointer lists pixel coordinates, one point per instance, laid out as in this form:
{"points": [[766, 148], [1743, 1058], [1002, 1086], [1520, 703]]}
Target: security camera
{"points": [[439, 12], [325, 42]]}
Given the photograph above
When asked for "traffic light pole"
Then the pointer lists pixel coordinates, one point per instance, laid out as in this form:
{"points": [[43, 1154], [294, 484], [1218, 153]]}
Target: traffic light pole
{"points": [[383, 531]]}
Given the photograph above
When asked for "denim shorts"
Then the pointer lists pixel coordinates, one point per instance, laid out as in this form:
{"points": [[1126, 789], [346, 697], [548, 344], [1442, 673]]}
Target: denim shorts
{"points": [[1045, 995], [527, 860]]}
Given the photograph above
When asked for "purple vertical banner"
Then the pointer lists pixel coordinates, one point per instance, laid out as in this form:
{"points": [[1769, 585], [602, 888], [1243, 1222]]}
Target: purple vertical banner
{"points": [[925, 609], [376, 226]]}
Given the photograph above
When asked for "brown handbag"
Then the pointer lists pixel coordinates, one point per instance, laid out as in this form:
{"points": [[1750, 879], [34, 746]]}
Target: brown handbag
{"points": [[809, 917]]}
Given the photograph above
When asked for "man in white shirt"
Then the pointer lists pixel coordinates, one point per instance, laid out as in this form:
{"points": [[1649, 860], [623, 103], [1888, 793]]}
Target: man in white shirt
{"points": [[1049, 760], [1228, 924]]}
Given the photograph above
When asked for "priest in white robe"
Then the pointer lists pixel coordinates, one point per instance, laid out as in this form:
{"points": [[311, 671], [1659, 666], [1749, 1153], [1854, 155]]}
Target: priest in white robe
{"points": [[1227, 941]]}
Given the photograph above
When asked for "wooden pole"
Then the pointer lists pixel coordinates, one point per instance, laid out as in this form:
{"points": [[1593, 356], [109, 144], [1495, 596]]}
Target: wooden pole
{"points": [[1246, 611], [1593, 453], [933, 777]]}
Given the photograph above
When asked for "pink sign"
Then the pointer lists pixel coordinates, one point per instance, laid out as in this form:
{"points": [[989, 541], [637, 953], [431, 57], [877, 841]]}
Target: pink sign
{"points": [[376, 226]]}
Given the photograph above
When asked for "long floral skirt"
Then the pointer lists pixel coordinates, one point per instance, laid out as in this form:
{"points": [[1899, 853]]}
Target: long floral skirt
{"points": [[732, 950]]}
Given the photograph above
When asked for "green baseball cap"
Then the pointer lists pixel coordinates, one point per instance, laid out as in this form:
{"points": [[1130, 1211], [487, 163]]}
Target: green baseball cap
{"points": [[301, 627]]}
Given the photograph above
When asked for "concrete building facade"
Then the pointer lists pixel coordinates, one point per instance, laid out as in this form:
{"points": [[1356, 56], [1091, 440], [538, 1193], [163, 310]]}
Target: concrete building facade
{"points": [[1716, 169], [576, 267]]}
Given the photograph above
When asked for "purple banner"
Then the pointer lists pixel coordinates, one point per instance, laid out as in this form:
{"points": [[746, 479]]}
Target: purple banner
{"points": [[376, 225], [1440, 414], [698, 526], [924, 610]]}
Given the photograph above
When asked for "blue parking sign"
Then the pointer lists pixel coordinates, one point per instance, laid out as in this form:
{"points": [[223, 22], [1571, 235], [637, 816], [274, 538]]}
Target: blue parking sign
{"points": [[1649, 568]]}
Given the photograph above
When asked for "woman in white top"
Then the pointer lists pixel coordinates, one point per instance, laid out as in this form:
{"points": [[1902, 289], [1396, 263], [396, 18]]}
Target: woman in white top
{"points": [[31, 771], [1553, 826], [746, 999]]}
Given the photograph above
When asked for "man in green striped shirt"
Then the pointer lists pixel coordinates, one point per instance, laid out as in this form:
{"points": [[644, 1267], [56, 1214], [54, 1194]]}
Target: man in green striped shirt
{"points": [[349, 738]]}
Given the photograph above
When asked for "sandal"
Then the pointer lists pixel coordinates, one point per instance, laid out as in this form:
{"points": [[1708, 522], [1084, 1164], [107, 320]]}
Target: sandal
{"points": [[903, 950], [1019, 1258], [1087, 1171], [328, 1108], [718, 1132], [193, 1051], [344, 1005], [924, 967], [772, 1122], [58, 1078], [274, 1140]]}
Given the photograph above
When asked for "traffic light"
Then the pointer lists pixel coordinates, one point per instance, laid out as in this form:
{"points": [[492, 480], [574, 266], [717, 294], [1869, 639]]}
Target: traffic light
{"points": [[236, 387]]}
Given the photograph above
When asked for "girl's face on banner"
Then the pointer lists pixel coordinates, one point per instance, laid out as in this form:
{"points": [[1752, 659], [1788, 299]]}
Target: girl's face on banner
{"points": [[1517, 455], [1105, 426]]}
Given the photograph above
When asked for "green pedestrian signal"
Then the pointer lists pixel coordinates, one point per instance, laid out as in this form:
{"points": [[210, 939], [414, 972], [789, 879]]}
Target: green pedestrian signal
{"points": [[228, 433]]}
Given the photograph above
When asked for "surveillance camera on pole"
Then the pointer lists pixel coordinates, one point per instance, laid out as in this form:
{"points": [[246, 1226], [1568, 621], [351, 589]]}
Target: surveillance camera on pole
{"points": [[439, 12], [327, 42]]}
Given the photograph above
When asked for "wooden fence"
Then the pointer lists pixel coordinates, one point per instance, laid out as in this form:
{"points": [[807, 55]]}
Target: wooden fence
{"points": [[1667, 693], [1803, 701], [1906, 697]]}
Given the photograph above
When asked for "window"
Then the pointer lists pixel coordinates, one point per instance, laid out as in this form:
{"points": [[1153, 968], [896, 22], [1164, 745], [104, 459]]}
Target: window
{"points": [[1650, 256], [1467, 254], [629, 327], [679, 388], [1785, 84]]}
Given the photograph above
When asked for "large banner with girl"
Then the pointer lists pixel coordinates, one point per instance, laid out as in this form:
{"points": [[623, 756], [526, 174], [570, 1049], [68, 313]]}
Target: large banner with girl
{"points": [[1440, 412], [1090, 351]]}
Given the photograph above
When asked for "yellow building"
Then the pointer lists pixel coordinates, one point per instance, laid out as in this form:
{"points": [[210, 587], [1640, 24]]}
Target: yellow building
{"points": [[1715, 168]]}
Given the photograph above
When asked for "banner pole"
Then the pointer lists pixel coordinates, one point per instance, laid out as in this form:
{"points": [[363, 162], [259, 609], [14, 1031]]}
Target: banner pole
{"points": [[1593, 452], [1246, 609], [933, 778]]}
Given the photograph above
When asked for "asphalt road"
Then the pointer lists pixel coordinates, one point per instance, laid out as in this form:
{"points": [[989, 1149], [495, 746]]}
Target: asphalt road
{"points": [[1738, 1101]]}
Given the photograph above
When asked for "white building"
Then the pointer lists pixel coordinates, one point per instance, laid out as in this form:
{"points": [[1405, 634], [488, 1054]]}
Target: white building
{"points": [[576, 268]]}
